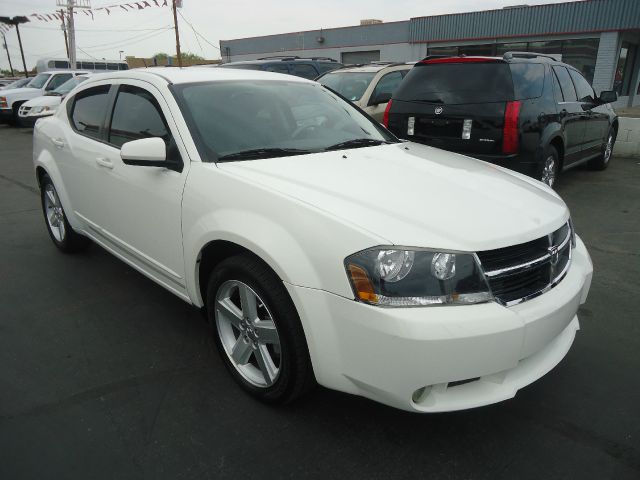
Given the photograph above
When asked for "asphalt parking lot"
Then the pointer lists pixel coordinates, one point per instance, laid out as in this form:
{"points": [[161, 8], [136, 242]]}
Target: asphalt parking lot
{"points": [[104, 374]]}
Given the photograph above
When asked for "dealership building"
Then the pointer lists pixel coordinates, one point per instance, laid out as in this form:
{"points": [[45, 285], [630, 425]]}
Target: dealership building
{"points": [[599, 37]]}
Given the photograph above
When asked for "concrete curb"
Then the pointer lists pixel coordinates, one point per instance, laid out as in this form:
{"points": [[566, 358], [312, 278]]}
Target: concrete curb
{"points": [[628, 141]]}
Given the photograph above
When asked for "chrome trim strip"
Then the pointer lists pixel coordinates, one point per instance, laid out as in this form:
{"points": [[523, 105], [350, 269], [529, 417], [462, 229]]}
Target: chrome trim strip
{"points": [[522, 266]]}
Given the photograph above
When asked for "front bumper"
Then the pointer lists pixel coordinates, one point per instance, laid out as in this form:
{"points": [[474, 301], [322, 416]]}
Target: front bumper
{"points": [[436, 359]]}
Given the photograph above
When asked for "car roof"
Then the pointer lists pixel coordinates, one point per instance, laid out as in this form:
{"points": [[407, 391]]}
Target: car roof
{"points": [[51, 72], [176, 75]]}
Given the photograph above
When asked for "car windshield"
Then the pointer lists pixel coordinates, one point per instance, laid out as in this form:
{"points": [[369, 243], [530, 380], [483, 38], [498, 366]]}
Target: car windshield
{"points": [[39, 80], [19, 83], [235, 120], [350, 85], [67, 86]]}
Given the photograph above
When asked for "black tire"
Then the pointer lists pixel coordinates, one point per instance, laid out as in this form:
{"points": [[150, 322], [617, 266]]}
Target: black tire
{"points": [[15, 120], [602, 161], [547, 173], [69, 241], [295, 377]]}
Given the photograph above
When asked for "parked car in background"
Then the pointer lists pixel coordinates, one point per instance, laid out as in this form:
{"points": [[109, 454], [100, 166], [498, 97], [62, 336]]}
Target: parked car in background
{"points": [[523, 111], [46, 105], [320, 246], [368, 86], [20, 83], [10, 100], [300, 67]]}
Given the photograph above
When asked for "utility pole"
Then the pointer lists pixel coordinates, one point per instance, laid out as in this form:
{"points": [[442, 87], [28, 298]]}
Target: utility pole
{"points": [[175, 22], [8, 56], [70, 5], [64, 30], [16, 21]]}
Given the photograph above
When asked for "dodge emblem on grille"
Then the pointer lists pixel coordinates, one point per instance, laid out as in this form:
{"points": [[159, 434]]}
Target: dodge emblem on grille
{"points": [[555, 255], [438, 110]]}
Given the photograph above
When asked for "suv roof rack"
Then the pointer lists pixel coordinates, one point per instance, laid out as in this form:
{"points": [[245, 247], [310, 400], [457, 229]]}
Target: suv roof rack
{"points": [[510, 55], [295, 57]]}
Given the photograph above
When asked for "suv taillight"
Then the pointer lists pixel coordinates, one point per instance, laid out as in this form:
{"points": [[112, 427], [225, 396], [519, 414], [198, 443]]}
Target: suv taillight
{"points": [[385, 117], [510, 128]]}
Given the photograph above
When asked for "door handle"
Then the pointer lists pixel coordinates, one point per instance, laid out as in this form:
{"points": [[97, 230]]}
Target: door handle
{"points": [[104, 162], [57, 142]]}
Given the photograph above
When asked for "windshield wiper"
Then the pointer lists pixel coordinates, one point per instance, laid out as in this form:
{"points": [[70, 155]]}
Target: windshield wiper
{"points": [[356, 143], [257, 153]]}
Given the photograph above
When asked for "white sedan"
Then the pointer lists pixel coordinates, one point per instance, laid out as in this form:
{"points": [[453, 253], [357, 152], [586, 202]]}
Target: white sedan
{"points": [[46, 105], [320, 247]]}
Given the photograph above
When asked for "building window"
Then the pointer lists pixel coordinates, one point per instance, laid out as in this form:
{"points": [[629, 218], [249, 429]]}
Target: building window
{"points": [[447, 51], [581, 54], [624, 69], [477, 50]]}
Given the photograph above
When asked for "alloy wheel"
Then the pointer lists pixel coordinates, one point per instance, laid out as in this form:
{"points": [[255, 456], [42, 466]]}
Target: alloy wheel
{"points": [[248, 333], [54, 213], [549, 171], [608, 149]]}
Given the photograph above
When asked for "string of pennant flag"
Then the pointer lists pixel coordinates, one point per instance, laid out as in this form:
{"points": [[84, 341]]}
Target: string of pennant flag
{"points": [[58, 16]]}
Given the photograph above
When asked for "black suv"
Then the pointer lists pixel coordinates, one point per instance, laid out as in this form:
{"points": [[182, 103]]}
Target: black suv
{"points": [[524, 111], [300, 67]]}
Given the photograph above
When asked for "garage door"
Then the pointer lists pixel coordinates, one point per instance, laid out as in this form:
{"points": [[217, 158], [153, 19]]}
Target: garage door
{"points": [[349, 58]]}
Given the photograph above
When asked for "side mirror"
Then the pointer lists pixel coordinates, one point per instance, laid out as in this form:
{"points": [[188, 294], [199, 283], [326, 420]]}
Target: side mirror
{"points": [[608, 96], [146, 152], [382, 97]]}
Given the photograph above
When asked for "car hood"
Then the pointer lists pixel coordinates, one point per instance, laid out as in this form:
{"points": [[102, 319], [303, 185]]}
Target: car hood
{"points": [[415, 195], [20, 91], [44, 101]]}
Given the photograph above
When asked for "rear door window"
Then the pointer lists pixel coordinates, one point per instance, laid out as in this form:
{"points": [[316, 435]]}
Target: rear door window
{"points": [[277, 67], [304, 70], [528, 80], [457, 83], [585, 92], [89, 108], [568, 90]]}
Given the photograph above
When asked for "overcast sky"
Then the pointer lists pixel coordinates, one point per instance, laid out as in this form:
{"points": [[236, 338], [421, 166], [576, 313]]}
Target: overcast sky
{"points": [[142, 33]]}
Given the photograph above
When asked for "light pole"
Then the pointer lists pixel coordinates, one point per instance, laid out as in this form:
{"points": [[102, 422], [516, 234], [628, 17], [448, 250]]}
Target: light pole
{"points": [[8, 56], [16, 21]]}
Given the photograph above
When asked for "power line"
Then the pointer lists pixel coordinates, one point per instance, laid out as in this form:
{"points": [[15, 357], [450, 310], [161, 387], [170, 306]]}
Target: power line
{"points": [[126, 41], [98, 29], [196, 32]]}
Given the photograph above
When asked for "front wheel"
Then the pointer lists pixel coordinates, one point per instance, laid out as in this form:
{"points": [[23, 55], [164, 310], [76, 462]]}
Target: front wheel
{"points": [[549, 167], [257, 330], [58, 227], [602, 161]]}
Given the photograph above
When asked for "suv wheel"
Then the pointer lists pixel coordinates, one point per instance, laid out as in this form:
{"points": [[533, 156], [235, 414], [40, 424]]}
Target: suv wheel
{"points": [[602, 162], [549, 167], [257, 330], [59, 229]]}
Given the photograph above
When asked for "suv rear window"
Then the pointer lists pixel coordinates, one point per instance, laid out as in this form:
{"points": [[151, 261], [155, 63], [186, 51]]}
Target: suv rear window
{"points": [[528, 79], [457, 83]]}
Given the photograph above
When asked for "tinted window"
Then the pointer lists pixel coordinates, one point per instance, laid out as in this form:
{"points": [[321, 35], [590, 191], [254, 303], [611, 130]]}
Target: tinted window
{"points": [[60, 64], [39, 80], [304, 70], [387, 84], [67, 86], [457, 83], [581, 53], [568, 91], [87, 65], [89, 109], [100, 66], [277, 67], [112, 66], [327, 66], [557, 92], [124, 66], [136, 115], [585, 92], [350, 85], [528, 79], [58, 80]]}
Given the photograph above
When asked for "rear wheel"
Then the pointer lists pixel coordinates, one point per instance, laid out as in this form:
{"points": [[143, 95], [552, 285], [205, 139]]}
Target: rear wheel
{"points": [[549, 168], [602, 162], [58, 227], [258, 331]]}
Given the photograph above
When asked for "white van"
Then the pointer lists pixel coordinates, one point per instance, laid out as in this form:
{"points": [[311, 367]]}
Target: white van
{"points": [[49, 64]]}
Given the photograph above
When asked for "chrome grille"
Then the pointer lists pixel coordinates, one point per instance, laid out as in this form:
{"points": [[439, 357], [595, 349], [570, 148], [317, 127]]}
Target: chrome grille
{"points": [[521, 272], [23, 110]]}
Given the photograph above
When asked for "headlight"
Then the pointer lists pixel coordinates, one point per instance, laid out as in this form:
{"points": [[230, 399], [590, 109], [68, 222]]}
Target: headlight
{"points": [[36, 110], [410, 278]]}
